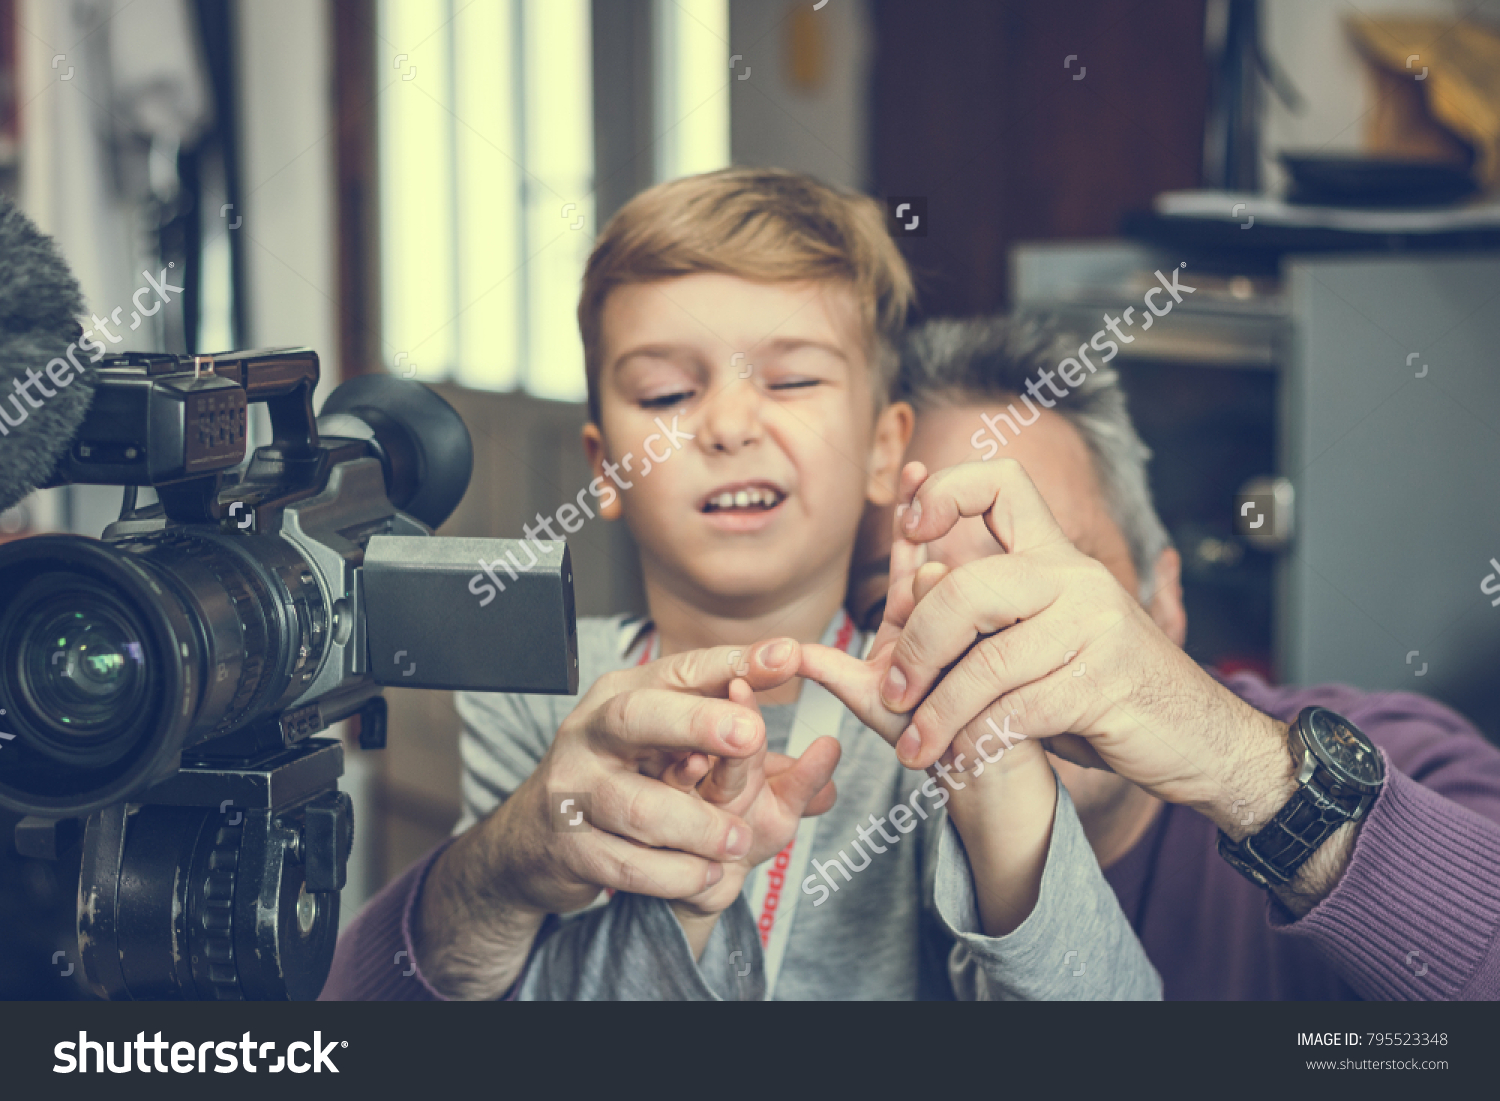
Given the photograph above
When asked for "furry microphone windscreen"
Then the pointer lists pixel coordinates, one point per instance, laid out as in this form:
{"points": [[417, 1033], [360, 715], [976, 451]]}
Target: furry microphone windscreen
{"points": [[40, 303]]}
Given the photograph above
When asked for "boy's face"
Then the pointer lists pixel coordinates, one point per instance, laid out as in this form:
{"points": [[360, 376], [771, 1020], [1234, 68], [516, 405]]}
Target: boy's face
{"points": [[772, 381]]}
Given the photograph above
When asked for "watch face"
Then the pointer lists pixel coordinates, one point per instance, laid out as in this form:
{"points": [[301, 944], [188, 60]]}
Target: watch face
{"points": [[1346, 748]]}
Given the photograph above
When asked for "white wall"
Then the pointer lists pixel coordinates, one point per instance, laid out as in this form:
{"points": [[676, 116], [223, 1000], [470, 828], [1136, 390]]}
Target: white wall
{"points": [[287, 175], [64, 183], [825, 133]]}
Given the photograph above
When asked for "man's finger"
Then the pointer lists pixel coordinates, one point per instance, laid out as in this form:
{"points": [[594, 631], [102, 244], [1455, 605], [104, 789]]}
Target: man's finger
{"points": [[927, 578], [764, 665], [913, 474], [624, 865], [683, 773], [726, 781], [1045, 708], [977, 599], [906, 557], [999, 490], [647, 811], [640, 721], [994, 666]]}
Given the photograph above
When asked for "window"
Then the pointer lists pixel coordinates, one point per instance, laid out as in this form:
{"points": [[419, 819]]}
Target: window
{"points": [[486, 163], [487, 175], [692, 86]]}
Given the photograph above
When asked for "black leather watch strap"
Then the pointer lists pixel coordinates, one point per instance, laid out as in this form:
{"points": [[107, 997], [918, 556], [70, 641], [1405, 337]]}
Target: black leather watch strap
{"points": [[1273, 855], [1328, 795]]}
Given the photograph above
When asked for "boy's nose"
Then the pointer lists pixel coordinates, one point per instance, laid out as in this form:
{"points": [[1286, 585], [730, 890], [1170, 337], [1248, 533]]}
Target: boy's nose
{"points": [[731, 418]]}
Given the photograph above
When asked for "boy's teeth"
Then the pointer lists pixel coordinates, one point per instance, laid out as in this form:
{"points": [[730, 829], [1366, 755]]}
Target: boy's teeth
{"points": [[753, 497]]}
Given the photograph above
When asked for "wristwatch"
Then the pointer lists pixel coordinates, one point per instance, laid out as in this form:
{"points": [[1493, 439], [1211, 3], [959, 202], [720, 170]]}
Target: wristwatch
{"points": [[1339, 773]]}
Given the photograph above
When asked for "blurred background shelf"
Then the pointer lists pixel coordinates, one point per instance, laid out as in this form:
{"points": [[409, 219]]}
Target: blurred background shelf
{"points": [[1369, 382]]}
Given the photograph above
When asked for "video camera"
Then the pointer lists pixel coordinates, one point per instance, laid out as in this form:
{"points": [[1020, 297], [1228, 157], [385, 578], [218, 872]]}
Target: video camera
{"points": [[166, 680]]}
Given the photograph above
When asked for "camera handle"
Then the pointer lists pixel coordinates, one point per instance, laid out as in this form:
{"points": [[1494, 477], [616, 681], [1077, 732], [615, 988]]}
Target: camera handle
{"points": [[285, 379]]}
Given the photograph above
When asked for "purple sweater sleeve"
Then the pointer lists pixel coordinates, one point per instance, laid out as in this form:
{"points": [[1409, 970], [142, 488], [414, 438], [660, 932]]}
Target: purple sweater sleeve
{"points": [[374, 960], [1416, 914]]}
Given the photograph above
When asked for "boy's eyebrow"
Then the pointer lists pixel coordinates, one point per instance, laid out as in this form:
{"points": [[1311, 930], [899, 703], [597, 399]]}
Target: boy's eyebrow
{"points": [[782, 345], [654, 351], [779, 346]]}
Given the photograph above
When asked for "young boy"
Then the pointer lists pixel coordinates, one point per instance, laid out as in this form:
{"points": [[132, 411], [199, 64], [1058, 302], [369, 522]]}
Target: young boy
{"points": [[739, 329]]}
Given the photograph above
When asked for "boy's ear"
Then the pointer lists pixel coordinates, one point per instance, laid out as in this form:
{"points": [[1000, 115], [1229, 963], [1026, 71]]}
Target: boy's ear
{"points": [[593, 447], [892, 433]]}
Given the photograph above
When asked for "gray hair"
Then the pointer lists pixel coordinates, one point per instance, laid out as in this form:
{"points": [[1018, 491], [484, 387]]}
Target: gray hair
{"points": [[951, 362]]}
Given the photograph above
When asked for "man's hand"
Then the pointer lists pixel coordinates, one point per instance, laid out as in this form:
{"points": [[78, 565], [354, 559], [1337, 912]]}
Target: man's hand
{"points": [[771, 792], [488, 893], [1002, 791], [859, 684], [1044, 636]]}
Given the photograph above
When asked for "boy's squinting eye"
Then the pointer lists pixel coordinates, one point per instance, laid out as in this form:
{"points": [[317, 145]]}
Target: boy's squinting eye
{"points": [[666, 401], [796, 384]]}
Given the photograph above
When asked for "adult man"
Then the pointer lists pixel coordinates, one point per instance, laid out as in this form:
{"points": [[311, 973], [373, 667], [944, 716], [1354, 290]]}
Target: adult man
{"points": [[1080, 627]]}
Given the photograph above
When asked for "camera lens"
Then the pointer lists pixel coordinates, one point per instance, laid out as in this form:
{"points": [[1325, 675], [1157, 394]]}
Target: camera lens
{"points": [[82, 671], [96, 676], [117, 658]]}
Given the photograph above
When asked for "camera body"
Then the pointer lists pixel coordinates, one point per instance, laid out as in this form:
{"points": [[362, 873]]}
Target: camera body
{"points": [[168, 680]]}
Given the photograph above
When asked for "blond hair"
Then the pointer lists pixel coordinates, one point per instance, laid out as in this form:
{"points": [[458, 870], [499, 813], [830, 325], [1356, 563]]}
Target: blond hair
{"points": [[766, 225]]}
